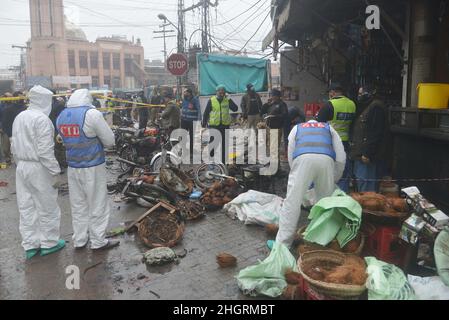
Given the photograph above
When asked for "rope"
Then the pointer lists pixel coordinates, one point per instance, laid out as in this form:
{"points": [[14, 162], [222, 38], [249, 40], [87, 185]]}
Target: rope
{"points": [[399, 180], [135, 104]]}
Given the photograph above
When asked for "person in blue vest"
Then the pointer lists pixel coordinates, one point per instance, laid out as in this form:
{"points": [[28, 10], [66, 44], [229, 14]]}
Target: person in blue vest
{"points": [[316, 156], [85, 134], [190, 112]]}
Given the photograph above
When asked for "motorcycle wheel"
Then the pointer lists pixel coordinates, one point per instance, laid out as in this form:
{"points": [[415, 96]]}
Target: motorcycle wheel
{"points": [[157, 163], [127, 153], [201, 179], [157, 192]]}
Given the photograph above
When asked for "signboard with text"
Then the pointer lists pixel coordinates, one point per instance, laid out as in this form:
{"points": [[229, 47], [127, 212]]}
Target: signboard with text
{"points": [[177, 64]]}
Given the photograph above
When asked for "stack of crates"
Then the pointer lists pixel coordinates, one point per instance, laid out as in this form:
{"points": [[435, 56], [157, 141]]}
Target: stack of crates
{"points": [[385, 245]]}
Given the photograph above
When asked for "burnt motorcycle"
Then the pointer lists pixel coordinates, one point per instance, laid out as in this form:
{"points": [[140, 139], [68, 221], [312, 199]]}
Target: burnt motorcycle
{"points": [[151, 148], [142, 187]]}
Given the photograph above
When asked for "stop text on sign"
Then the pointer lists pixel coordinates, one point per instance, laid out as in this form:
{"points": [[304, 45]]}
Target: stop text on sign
{"points": [[177, 64]]}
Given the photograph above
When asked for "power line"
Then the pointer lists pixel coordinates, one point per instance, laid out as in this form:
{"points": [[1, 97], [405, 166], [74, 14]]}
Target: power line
{"points": [[245, 11], [247, 22], [260, 26]]}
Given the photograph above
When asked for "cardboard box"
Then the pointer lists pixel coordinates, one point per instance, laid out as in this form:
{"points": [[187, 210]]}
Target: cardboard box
{"points": [[411, 228], [436, 218]]}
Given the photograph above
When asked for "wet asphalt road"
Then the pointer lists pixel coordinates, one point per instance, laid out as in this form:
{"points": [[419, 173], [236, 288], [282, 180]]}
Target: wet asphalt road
{"points": [[119, 273]]}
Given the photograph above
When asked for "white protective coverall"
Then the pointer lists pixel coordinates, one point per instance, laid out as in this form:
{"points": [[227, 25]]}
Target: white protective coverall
{"points": [[88, 186], [319, 169], [37, 171]]}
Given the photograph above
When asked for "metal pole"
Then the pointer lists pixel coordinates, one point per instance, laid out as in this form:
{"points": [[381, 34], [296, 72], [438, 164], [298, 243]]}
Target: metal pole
{"points": [[165, 44]]}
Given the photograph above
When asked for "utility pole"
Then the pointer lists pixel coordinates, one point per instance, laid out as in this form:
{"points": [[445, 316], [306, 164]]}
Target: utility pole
{"points": [[181, 42], [205, 22], [181, 27], [22, 64], [164, 36], [205, 25]]}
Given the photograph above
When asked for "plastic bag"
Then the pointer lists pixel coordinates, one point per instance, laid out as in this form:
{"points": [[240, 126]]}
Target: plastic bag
{"points": [[267, 277], [429, 288], [254, 207], [441, 252], [387, 282], [338, 216]]}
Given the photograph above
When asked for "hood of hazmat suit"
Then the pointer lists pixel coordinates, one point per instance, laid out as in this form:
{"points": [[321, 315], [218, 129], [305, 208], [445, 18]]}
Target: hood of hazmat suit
{"points": [[40, 100], [80, 98]]}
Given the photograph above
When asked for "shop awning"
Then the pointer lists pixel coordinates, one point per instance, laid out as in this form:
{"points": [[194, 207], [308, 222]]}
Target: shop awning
{"points": [[269, 38]]}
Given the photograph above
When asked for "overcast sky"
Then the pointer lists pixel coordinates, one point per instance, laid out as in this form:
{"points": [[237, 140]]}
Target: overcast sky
{"points": [[138, 18]]}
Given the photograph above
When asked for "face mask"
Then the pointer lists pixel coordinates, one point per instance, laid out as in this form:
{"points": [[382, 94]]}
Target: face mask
{"points": [[364, 98]]}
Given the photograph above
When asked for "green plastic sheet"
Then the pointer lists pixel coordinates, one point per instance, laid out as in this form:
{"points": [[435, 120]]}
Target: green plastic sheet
{"points": [[441, 253], [231, 71], [267, 277], [338, 216], [387, 282]]}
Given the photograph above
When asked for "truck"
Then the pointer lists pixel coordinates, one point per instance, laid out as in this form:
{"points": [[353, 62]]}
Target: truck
{"points": [[234, 72]]}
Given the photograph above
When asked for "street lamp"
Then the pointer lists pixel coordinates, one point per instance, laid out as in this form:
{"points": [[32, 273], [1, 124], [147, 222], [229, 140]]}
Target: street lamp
{"points": [[164, 17]]}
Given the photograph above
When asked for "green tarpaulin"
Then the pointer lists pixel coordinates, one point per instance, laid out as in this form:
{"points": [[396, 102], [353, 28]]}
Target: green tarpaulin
{"points": [[231, 71]]}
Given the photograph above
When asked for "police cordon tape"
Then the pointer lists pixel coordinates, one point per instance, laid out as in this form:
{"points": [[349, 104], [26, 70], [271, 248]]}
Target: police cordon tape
{"points": [[399, 180], [135, 104]]}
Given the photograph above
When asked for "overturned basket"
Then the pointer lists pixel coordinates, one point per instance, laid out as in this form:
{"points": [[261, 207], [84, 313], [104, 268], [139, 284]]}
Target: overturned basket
{"points": [[176, 181], [360, 239], [326, 288], [161, 229]]}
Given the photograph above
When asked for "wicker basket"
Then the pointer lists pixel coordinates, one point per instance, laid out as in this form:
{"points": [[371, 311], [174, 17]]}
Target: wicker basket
{"points": [[328, 289], [147, 229], [358, 252]]}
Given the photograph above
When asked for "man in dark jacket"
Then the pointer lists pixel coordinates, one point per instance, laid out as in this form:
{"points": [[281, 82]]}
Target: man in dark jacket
{"points": [[4, 140], [277, 108], [190, 112], [156, 99], [10, 112], [251, 106], [367, 138], [144, 113]]}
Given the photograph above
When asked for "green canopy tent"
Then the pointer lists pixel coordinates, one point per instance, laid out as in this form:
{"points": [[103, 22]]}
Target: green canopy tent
{"points": [[234, 72]]}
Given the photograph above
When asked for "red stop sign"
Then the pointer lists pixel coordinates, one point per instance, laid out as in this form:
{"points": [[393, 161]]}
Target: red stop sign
{"points": [[177, 64]]}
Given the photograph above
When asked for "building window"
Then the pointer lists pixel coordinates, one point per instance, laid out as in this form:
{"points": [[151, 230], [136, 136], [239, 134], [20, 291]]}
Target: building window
{"points": [[137, 58], [107, 81], [116, 83], [71, 59], [106, 60], [128, 67], [95, 82], [83, 59], [94, 60], [116, 61]]}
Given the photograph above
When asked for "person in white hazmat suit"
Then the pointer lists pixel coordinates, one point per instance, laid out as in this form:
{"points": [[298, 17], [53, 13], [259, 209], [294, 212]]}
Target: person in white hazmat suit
{"points": [[37, 176], [85, 133], [316, 155]]}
